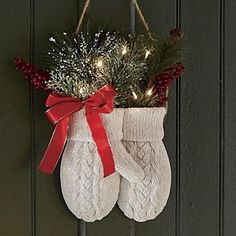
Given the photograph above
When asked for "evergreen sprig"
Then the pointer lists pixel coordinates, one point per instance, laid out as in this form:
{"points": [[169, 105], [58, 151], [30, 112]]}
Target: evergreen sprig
{"points": [[81, 64], [164, 54]]}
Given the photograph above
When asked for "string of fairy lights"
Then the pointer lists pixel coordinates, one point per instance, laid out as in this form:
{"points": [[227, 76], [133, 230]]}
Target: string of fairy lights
{"points": [[124, 50]]}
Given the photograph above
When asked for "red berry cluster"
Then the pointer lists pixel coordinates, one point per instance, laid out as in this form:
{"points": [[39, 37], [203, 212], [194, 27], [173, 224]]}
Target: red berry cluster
{"points": [[176, 33], [36, 76], [165, 80]]}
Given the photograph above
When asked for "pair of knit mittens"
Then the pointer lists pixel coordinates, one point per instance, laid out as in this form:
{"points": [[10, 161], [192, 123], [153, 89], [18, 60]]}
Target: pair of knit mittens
{"points": [[141, 183]]}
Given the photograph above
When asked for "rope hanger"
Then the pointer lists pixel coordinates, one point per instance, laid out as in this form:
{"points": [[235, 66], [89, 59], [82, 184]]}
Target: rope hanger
{"points": [[138, 9]]}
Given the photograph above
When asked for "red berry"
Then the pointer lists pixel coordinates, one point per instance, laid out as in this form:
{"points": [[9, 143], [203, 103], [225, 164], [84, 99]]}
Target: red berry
{"points": [[30, 72], [176, 33]]}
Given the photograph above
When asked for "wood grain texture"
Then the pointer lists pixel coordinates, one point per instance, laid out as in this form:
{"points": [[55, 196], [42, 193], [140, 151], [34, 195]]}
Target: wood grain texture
{"points": [[229, 75], [15, 155], [199, 195], [52, 215]]}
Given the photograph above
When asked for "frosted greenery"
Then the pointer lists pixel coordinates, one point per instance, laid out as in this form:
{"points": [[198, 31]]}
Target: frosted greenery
{"points": [[81, 64]]}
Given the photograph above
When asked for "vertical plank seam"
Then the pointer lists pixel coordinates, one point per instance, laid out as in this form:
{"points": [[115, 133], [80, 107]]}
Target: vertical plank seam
{"points": [[82, 225], [132, 229], [32, 119], [132, 17], [132, 226], [82, 228], [178, 135], [221, 115]]}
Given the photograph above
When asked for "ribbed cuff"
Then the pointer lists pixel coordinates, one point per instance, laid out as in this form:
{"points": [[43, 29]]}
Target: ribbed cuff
{"points": [[144, 124], [113, 123]]}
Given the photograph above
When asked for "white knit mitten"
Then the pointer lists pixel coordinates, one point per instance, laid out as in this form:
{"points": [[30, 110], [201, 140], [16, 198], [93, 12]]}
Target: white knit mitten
{"points": [[87, 193], [143, 134]]}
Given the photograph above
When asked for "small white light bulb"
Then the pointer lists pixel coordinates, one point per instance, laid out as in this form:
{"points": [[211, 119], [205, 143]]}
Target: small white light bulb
{"points": [[147, 54], [135, 95], [100, 64], [124, 50], [149, 92]]}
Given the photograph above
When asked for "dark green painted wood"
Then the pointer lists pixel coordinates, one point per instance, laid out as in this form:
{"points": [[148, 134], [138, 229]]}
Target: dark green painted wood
{"points": [[160, 16], [110, 15], [229, 75], [52, 215], [15, 200], [221, 116], [113, 224], [199, 182]]}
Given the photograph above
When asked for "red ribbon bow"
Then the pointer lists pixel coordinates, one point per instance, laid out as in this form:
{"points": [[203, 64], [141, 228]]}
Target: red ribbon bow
{"points": [[61, 107]]}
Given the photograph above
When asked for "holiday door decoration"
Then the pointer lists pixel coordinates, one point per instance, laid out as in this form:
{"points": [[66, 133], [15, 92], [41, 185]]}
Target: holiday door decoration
{"points": [[107, 99]]}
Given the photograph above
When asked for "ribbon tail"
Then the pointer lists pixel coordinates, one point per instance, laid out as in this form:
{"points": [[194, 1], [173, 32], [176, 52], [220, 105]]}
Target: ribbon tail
{"points": [[101, 140], [55, 147]]}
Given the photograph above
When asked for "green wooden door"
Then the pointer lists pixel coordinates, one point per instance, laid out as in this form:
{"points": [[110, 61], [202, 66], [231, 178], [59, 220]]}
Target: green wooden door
{"points": [[199, 128]]}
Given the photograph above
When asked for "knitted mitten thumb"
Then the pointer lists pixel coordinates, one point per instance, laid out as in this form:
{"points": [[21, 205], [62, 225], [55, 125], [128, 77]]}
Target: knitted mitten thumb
{"points": [[124, 163], [143, 134]]}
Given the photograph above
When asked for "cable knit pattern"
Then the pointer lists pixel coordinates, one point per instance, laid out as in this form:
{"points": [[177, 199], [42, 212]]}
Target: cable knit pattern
{"points": [[143, 134], [87, 194]]}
